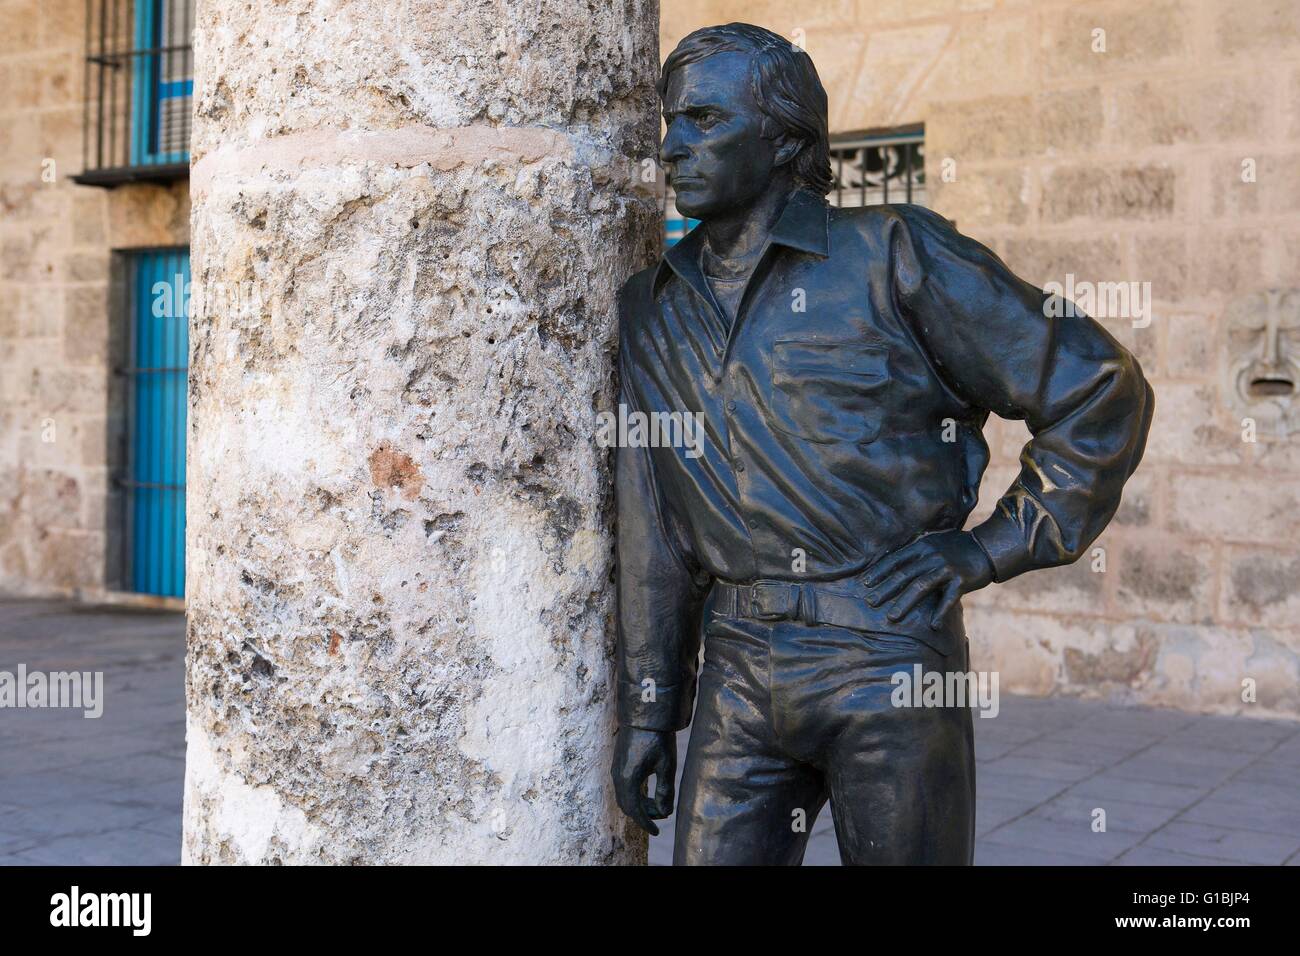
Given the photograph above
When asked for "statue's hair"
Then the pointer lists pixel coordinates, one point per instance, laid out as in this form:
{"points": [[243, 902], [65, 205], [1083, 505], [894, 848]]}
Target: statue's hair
{"points": [[785, 86]]}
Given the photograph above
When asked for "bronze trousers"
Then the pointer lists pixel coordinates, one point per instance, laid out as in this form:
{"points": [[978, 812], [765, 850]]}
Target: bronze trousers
{"points": [[790, 714]]}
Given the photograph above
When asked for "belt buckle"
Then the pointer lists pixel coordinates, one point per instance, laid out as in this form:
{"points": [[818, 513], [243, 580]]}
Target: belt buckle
{"points": [[774, 601]]}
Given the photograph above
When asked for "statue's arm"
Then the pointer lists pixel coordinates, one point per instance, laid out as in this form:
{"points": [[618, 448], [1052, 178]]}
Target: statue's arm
{"points": [[661, 593], [659, 603], [1003, 347]]}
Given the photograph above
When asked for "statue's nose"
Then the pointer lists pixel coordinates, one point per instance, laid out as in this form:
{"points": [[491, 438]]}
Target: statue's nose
{"points": [[672, 149]]}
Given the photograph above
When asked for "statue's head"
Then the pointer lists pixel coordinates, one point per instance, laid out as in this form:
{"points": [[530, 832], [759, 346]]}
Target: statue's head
{"points": [[744, 109]]}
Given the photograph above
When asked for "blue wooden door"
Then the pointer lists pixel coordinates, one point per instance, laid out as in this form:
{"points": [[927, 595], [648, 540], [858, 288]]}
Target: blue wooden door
{"points": [[155, 482]]}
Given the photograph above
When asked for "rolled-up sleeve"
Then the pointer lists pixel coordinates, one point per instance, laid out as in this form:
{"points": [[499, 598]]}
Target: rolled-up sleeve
{"points": [[1001, 348], [661, 591]]}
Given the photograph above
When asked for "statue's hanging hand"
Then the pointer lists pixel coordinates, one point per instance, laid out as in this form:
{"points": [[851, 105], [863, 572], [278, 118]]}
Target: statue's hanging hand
{"points": [[638, 754]]}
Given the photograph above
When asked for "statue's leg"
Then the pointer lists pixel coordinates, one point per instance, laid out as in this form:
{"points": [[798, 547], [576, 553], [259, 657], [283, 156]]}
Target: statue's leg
{"points": [[901, 778], [743, 801]]}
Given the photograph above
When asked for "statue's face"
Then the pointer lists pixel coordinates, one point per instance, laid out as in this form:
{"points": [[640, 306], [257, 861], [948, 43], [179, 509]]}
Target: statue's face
{"points": [[1261, 360], [714, 152], [1264, 342]]}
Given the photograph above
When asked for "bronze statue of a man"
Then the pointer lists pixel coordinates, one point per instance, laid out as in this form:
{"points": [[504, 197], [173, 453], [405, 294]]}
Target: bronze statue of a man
{"points": [[842, 363]]}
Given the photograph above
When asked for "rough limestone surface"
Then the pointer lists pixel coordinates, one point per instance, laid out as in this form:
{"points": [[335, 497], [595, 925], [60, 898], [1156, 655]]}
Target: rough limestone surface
{"points": [[410, 222]]}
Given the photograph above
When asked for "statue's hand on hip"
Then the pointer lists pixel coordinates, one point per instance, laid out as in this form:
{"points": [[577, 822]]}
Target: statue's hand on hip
{"points": [[637, 755], [946, 563]]}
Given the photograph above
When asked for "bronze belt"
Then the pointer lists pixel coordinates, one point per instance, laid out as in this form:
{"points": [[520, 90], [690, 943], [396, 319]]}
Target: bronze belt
{"points": [[812, 603]]}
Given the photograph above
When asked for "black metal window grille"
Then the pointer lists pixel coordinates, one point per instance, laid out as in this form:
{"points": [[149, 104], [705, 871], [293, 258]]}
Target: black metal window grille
{"points": [[879, 166], [139, 90]]}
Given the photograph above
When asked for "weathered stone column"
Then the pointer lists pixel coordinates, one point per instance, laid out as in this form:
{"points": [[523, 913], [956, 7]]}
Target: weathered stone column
{"points": [[410, 222]]}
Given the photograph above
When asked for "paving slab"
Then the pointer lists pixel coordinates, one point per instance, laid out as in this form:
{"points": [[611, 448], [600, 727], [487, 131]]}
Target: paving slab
{"points": [[1226, 844], [1077, 838], [1153, 856], [1072, 808]]}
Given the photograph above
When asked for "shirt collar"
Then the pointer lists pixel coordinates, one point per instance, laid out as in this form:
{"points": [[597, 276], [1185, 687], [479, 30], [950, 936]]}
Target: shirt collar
{"points": [[803, 225]]}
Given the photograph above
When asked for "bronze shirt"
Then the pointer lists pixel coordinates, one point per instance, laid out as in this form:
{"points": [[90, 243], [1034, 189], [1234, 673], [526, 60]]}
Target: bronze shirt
{"points": [[849, 427]]}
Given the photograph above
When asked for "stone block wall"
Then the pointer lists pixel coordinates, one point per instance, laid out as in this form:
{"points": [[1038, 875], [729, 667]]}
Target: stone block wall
{"points": [[1163, 150], [56, 337]]}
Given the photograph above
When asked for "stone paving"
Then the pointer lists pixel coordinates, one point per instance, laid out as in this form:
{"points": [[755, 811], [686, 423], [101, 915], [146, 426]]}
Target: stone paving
{"points": [[1177, 788], [101, 791]]}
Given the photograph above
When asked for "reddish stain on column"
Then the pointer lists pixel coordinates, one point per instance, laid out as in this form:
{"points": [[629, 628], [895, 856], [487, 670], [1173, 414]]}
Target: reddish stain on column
{"points": [[395, 469]]}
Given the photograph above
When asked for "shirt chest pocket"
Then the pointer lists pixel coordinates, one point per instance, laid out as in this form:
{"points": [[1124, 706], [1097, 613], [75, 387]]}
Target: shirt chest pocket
{"points": [[825, 391]]}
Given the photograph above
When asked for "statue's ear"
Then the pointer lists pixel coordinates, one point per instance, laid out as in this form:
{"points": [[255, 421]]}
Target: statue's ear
{"points": [[787, 149]]}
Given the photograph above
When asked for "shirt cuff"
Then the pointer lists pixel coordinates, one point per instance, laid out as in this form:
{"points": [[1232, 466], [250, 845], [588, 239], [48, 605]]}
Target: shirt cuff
{"points": [[1003, 540], [668, 710]]}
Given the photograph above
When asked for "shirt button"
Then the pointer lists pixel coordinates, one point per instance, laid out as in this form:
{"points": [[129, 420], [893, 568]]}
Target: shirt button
{"points": [[752, 524], [731, 406], [740, 466]]}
